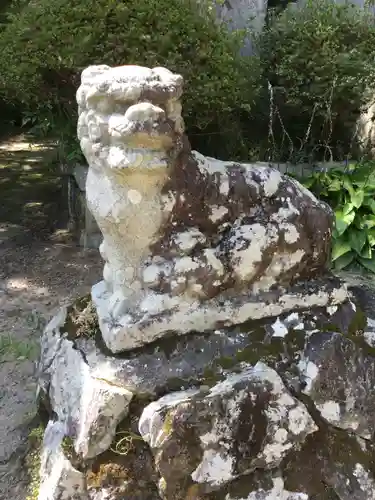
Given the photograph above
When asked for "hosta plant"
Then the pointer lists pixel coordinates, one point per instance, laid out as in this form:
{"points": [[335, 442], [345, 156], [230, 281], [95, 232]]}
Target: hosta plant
{"points": [[351, 194]]}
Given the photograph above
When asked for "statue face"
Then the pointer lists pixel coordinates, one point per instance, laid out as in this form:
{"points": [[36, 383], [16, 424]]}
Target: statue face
{"points": [[142, 125], [127, 110]]}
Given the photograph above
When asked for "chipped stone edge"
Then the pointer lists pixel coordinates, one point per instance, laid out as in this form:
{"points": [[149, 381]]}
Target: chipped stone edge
{"points": [[123, 335]]}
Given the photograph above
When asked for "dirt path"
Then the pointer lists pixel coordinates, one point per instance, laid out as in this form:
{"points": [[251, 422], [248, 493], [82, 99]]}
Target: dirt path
{"points": [[31, 190], [36, 276]]}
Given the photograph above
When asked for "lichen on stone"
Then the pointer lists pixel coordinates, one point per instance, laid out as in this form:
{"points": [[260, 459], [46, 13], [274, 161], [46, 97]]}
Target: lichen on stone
{"points": [[82, 319]]}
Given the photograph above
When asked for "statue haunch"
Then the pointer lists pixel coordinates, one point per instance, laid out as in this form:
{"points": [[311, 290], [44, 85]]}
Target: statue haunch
{"points": [[189, 242]]}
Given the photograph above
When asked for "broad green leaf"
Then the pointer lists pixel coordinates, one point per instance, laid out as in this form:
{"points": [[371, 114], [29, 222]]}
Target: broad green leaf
{"points": [[364, 176], [366, 185], [335, 172], [343, 221], [366, 252], [370, 203], [348, 218], [340, 226], [360, 176], [340, 248], [344, 260], [358, 222], [357, 198], [352, 167], [368, 264], [371, 237], [357, 239], [347, 184], [369, 221], [370, 180], [348, 207], [334, 185]]}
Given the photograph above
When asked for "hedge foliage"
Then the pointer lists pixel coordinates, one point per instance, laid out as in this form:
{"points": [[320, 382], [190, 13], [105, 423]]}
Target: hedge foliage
{"points": [[319, 60], [44, 48], [298, 99]]}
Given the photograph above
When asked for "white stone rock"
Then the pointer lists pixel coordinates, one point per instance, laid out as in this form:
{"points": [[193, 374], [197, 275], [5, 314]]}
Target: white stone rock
{"points": [[87, 404], [365, 481], [122, 333], [255, 393], [59, 480]]}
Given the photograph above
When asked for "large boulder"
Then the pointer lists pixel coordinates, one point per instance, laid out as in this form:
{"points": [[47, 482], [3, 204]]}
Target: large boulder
{"points": [[204, 439]]}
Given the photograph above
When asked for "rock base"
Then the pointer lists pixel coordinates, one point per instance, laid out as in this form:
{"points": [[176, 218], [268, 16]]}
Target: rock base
{"points": [[277, 409], [144, 326]]}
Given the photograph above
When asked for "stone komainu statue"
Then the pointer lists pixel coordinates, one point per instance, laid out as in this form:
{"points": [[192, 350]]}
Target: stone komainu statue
{"points": [[273, 409], [189, 242]]}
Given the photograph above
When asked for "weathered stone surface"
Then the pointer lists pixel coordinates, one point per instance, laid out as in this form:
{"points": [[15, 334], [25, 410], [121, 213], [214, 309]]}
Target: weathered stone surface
{"points": [[332, 464], [174, 364], [127, 474], [211, 436], [339, 371], [257, 486], [87, 406], [276, 492], [59, 480], [112, 476], [190, 242], [290, 344]]}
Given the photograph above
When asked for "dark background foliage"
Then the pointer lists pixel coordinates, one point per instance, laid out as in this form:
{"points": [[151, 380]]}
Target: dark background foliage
{"points": [[297, 98]]}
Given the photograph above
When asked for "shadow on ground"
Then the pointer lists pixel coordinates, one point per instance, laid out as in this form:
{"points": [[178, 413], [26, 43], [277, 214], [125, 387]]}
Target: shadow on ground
{"points": [[38, 274], [31, 190]]}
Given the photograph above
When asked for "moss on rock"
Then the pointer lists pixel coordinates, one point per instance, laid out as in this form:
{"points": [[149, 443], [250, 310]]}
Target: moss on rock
{"points": [[82, 319], [33, 461]]}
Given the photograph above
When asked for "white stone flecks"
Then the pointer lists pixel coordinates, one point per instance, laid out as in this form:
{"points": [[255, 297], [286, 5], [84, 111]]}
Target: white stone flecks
{"points": [[215, 469], [279, 329], [365, 481], [187, 240], [278, 492], [309, 372], [369, 333], [331, 310], [246, 257], [330, 411]]}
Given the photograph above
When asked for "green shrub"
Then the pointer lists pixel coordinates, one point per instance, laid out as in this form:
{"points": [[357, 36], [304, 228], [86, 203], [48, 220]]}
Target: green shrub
{"points": [[351, 194], [44, 48], [319, 61]]}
